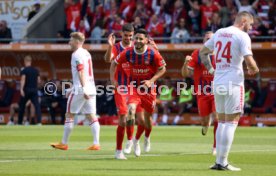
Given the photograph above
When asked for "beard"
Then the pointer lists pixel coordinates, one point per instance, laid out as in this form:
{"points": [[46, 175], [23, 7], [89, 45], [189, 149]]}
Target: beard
{"points": [[138, 46]]}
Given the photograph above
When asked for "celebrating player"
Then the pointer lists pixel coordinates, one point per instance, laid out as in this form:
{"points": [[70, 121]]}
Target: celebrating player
{"points": [[121, 98], [82, 97], [205, 100], [232, 46], [146, 66]]}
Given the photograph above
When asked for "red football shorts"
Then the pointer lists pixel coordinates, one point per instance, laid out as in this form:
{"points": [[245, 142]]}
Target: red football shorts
{"points": [[121, 100], [146, 100], [206, 105]]}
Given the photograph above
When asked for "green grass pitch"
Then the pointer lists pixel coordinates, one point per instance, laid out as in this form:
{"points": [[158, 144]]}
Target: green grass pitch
{"points": [[178, 150]]}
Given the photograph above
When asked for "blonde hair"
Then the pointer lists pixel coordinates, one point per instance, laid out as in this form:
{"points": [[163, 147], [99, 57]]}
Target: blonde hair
{"points": [[242, 15], [78, 36], [28, 58]]}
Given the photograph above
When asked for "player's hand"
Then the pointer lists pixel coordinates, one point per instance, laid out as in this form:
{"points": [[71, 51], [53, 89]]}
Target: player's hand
{"points": [[252, 72], [111, 39], [147, 83], [22, 93], [152, 43], [188, 59], [114, 83], [86, 96]]}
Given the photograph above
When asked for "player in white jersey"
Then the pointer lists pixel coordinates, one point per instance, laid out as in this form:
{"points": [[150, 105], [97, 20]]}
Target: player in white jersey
{"points": [[82, 98], [231, 46]]}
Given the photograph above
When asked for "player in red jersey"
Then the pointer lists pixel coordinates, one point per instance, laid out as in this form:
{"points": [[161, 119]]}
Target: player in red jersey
{"points": [[121, 98], [202, 84], [146, 66]]}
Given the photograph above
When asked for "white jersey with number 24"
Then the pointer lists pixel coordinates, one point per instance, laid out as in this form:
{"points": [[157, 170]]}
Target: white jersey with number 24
{"points": [[230, 45]]}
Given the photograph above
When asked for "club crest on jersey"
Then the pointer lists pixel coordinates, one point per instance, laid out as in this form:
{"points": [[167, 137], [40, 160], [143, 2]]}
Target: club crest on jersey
{"points": [[147, 62], [78, 63]]}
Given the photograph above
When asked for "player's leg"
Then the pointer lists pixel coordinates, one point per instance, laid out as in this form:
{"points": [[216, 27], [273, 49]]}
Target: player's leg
{"points": [[215, 122], [205, 109], [129, 131], [89, 108], [35, 102], [21, 111], [148, 103], [220, 109], [74, 104], [13, 108], [120, 132], [140, 129], [141, 122], [234, 103]]}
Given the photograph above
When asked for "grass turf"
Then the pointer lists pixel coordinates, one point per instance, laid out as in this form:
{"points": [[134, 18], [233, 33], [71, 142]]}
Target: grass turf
{"points": [[25, 150]]}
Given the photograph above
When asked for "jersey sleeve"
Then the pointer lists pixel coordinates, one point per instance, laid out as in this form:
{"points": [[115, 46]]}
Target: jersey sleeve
{"points": [[121, 58], [193, 63], [246, 45], [23, 72], [79, 62], [159, 60], [114, 52], [210, 43]]}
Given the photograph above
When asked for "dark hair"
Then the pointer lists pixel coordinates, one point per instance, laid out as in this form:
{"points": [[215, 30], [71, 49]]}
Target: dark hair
{"points": [[141, 31], [128, 27]]}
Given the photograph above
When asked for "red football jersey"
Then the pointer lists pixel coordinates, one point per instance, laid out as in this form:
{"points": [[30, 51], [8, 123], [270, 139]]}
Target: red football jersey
{"points": [[122, 69], [202, 77], [142, 66]]}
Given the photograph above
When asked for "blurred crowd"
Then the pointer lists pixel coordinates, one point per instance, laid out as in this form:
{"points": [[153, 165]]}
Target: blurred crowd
{"points": [[176, 20], [172, 21]]}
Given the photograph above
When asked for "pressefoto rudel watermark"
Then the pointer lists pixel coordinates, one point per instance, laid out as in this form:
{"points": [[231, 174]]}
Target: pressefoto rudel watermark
{"points": [[50, 88]]}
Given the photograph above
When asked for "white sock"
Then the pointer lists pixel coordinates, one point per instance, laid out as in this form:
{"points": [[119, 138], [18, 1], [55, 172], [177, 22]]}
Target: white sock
{"points": [[68, 127], [95, 129], [227, 140], [176, 119], [219, 136], [155, 117], [165, 118]]}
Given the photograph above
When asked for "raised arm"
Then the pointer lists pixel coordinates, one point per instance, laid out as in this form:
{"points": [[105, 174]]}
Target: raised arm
{"points": [[111, 41], [185, 71]]}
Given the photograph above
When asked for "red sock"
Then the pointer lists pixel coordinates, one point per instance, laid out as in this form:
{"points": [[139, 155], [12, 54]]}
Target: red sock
{"points": [[147, 132], [130, 131], [215, 130], [120, 137], [140, 130]]}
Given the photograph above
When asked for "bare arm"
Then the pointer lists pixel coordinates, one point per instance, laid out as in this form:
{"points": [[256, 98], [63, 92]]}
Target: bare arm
{"points": [[82, 81], [251, 65], [111, 41], [112, 72], [203, 53], [0, 72], [185, 71], [22, 84], [161, 71]]}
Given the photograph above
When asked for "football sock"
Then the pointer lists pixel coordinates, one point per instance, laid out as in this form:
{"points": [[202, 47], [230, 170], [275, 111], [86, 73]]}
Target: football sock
{"points": [[120, 137], [139, 132], [227, 140], [147, 132], [95, 130], [215, 130], [219, 136], [68, 127]]}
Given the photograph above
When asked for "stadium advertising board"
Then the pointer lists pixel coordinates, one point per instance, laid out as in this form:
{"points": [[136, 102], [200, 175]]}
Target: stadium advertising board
{"points": [[15, 12]]}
